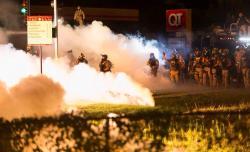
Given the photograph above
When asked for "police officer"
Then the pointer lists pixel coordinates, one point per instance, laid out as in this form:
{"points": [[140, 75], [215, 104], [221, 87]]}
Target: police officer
{"points": [[238, 58], [174, 68], [164, 58], [226, 65], [190, 65], [154, 64], [79, 16], [197, 65], [206, 65], [82, 59], [216, 65], [182, 67], [245, 71], [105, 65]]}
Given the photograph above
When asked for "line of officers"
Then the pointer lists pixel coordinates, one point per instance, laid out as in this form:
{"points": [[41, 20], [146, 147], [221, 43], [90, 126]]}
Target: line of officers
{"points": [[214, 68]]}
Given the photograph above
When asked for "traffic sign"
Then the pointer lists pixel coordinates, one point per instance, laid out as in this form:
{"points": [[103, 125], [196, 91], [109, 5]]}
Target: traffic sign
{"points": [[39, 30]]}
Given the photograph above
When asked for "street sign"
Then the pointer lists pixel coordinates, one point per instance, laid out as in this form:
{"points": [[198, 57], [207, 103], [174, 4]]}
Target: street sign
{"points": [[178, 20], [39, 30]]}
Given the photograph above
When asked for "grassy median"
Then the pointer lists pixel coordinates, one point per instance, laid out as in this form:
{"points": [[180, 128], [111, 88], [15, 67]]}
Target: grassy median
{"points": [[209, 101]]}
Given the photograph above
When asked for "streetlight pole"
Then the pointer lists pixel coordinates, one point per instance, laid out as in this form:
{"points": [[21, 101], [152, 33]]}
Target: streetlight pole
{"points": [[29, 7], [55, 26]]}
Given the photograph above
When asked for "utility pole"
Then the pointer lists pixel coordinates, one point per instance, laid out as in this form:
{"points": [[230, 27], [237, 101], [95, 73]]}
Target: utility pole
{"points": [[28, 7], [55, 26]]}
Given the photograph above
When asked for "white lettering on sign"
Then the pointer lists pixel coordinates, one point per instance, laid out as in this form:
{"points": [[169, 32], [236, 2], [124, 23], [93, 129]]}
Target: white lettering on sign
{"points": [[175, 19]]}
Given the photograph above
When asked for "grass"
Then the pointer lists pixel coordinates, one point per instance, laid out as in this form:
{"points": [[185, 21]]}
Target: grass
{"points": [[215, 101]]}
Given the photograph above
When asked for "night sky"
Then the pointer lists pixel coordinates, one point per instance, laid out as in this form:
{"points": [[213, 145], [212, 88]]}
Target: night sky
{"points": [[205, 12]]}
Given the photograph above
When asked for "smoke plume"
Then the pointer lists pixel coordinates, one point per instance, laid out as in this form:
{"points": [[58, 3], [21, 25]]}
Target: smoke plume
{"points": [[129, 54], [33, 96], [3, 36], [65, 85], [23, 86]]}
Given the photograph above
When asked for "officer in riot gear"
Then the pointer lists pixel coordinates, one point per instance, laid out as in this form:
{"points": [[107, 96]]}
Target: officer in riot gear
{"points": [[174, 68], [79, 16], [216, 66], [190, 65], [213, 60], [105, 64], [206, 65], [226, 64], [238, 58], [164, 58], [182, 67], [82, 59], [154, 64], [197, 65], [245, 71]]}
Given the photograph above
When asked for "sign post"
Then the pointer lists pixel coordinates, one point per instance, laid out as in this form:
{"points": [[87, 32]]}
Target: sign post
{"points": [[39, 32]]}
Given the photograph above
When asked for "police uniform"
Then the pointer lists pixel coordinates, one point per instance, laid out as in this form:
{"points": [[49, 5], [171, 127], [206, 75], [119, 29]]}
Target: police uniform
{"points": [[245, 72], [190, 66], [82, 59], [182, 67], [154, 64], [206, 73], [216, 68], [174, 69], [238, 57], [105, 65], [198, 68], [226, 64]]}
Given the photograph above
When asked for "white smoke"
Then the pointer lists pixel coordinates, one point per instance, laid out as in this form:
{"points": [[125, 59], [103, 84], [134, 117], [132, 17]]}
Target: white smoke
{"points": [[32, 96], [3, 36], [129, 54], [82, 85]]}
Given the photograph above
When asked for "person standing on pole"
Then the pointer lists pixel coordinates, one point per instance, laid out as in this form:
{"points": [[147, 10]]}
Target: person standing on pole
{"points": [[79, 16]]}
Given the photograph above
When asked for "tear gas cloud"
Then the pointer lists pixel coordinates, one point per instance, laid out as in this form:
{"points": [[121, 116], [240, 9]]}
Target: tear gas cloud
{"points": [[3, 36], [33, 96], [81, 84], [24, 92], [129, 54]]}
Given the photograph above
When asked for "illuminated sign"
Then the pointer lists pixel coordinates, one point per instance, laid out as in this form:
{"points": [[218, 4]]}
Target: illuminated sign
{"points": [[178, 20], [39, 30]]}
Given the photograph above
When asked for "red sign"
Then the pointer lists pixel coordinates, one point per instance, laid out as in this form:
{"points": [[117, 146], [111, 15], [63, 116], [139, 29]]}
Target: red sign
{"points": [[39, 18], [176, 20], [39, 30]]}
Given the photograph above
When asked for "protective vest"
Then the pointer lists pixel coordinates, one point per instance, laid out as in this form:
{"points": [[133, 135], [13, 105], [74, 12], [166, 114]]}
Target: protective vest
{"points": [[105, 66], [82, 60], [79, 15], [197, 62], [226, 63], [173, 64], [206, 62], [153, 63]]}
